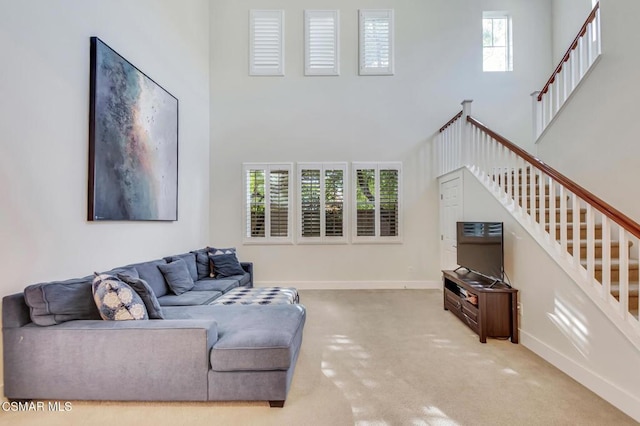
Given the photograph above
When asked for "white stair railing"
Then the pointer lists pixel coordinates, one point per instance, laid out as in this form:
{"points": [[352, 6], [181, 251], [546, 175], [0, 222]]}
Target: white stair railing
{"points": [[574, 65], [592, 241]]}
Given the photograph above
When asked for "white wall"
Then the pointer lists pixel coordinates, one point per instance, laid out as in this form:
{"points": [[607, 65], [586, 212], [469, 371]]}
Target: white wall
{"points": [[567, 19], [44, 110], [594, 138], [558, 321], [353, 118]]}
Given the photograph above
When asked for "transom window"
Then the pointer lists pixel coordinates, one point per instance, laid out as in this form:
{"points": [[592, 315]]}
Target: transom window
{"points": [[497, 46]]}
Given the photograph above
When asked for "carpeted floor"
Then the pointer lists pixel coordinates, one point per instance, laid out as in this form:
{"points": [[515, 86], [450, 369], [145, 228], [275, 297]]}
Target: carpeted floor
{"points": [[382, 357]]}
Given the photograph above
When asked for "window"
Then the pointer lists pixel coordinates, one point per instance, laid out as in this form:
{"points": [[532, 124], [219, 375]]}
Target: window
{"points": [[266, 38], [377, 202], [267, 203], [497, 47], [322, 202], [321, 49], [376, 42]]}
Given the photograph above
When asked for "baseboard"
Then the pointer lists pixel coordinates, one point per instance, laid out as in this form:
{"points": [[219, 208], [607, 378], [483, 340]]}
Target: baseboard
{"points": [[353, 285], [619, 398]]}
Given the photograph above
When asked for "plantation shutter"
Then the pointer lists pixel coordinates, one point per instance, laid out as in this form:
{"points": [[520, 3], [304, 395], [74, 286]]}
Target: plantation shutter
{"points": [[256, 210], [377, 202], [266, 38], [267, 200], [321, 42], [321, 202], [389, 203], [310, 199], [366, 202], [279, 202], [334, 202], [376, 42]]}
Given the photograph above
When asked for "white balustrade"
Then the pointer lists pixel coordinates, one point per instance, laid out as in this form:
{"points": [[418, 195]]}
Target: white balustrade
{"points": [[582, 54]]}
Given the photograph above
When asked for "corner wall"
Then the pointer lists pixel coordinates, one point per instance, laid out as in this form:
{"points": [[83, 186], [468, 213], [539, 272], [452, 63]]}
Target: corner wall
{"points": [[44, 82], [557, 320], [438, 54]]}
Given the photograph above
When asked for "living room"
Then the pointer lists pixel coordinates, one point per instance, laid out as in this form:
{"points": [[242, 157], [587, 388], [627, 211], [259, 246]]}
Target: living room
{"points": [[199, 50]]}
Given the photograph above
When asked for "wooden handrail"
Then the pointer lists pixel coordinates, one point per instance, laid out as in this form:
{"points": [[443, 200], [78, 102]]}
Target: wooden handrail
{"points": [[573, 46], [615, 215], [450, 122]]}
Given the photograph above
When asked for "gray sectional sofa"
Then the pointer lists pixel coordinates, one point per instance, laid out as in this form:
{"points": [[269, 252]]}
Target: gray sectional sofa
{"points": [[57, 347]]}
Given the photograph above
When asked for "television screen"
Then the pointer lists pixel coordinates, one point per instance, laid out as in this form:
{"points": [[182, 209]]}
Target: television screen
{"points": [[480, 248]]}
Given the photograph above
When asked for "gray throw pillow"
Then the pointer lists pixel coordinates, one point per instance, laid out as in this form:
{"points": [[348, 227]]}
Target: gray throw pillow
{"points": [[190, 260], [202, 263], [147, 295], [225, 265], [177, 276]]}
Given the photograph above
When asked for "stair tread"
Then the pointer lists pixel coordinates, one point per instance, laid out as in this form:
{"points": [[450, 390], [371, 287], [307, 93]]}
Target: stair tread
{"points": [[597, 243]]}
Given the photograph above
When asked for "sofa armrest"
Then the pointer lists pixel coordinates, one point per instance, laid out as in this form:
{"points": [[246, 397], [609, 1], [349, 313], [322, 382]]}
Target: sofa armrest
{"points": [[248, 267], [154, 360]]}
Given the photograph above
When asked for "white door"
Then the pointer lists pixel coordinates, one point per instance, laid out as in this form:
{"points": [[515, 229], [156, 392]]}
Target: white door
{"points": [[450, 213]]}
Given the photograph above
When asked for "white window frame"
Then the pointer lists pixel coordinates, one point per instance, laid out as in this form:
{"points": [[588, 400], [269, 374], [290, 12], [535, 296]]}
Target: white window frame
{"points": [[257, 47], [369, 15], [324, 239], [377, 166], [508, 41], [331, 64], [267, 239]]}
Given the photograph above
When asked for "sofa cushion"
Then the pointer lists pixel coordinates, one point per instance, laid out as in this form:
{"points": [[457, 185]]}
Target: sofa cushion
{"points": [[149, 272], [145, 292], [177, 276], [225, 265], [202, 262], [189, 259], [125, 270], [190, 298], [116, 300], [244, 279], [219, 284], [257, 337], [59, 301]]}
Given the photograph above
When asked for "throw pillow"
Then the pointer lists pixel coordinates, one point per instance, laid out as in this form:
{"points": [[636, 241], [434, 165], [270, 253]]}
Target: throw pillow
{"points": [[225, 265], [177, 276], [190, 260], [116, 300], [202, 263], [217, 252], [147, 295]]}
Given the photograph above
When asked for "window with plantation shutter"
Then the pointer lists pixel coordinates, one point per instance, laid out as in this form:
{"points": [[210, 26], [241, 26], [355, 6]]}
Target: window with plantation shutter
{"points": [[267, 203], [266, 38], [376, 42], [322, 202], [377, 202], [322, 51]]}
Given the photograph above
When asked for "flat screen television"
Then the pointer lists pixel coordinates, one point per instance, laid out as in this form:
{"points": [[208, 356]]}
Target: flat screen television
{"points": [[480, 248]]}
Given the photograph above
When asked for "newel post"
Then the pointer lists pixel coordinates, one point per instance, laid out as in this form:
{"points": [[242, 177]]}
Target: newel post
{"points": [[536, 117], [465, 136]]}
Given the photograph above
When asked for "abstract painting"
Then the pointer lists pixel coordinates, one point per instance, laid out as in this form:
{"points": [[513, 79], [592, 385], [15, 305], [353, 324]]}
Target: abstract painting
{"points": [[133, 142]]}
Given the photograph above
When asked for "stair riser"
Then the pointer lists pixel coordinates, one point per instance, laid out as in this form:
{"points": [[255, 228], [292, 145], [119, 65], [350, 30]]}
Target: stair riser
{"points": [[583, 233], [537, 201], [583, 216], [615, 252], [615, 274]]}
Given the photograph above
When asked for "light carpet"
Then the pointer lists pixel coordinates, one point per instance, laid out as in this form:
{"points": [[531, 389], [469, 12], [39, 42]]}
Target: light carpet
{"points": [[382, 357]]}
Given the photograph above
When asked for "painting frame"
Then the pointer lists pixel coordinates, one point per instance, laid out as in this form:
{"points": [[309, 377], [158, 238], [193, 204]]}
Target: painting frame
{"points": [[133, 142]]}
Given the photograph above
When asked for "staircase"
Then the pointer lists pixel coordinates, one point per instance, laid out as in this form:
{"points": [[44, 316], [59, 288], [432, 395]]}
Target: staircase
{"points": [[580, 239]]}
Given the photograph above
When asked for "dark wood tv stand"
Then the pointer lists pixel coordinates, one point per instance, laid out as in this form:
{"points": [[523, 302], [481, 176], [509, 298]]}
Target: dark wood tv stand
{"points": [[488, 308]]}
